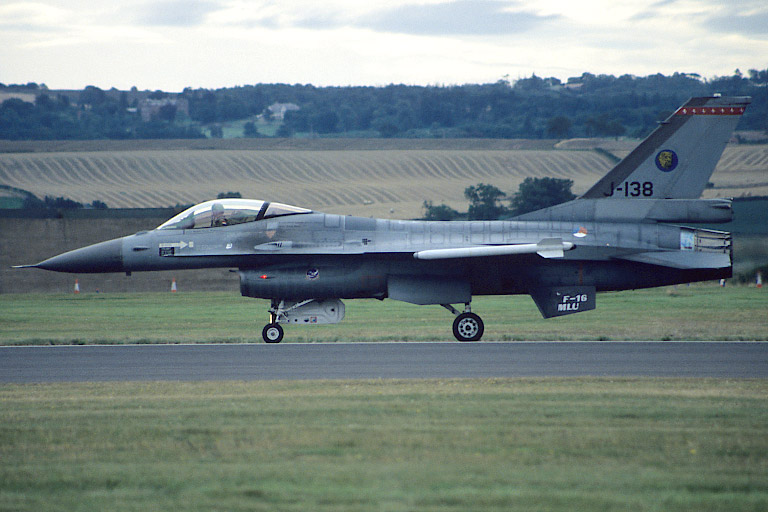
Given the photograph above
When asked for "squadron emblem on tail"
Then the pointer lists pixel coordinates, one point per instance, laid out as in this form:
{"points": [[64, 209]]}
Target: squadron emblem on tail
{"points": [[666, 160]]}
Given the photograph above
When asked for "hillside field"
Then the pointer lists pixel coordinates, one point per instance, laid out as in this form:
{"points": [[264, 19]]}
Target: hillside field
{"points": [[365, 177]]}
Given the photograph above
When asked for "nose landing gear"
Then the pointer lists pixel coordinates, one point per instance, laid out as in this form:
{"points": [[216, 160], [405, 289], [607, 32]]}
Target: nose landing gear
{"points": [[273, 332], [305, 312], [467, 326]]}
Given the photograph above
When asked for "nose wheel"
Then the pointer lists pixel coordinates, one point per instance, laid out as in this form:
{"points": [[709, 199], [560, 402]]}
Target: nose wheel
{"points": [[272, 333], [467, 326]]}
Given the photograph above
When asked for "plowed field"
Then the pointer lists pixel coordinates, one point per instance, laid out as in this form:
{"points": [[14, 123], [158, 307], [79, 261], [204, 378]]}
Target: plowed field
{"points": [[377, 182]]}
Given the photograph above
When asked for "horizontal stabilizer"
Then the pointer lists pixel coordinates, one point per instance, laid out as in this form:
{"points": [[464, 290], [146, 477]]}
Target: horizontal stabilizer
{"points": [[682, 259], [547, 248]]}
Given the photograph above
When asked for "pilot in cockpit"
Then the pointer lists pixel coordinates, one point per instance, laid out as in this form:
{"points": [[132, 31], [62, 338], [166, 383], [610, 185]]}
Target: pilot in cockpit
{"points": [[218, 218]]}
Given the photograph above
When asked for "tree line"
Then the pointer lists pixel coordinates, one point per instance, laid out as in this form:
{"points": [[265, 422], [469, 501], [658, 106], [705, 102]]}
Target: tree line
{"points": [[488, 202], [534, 107]]}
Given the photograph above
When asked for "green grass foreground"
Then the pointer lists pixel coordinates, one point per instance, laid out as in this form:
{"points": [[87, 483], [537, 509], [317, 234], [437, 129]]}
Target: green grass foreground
{"points": [[699, 312], [431, 445]]}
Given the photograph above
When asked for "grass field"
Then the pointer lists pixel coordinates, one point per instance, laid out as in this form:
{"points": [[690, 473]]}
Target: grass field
{"points": [[435, 445], [697, 312]]}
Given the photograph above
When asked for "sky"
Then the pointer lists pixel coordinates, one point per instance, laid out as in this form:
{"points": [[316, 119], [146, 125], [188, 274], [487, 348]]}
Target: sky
{"points": [[173, 44]]}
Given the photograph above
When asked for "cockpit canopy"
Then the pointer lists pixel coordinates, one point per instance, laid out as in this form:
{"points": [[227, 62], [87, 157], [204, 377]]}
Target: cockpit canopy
{"points": [[228, 212]]}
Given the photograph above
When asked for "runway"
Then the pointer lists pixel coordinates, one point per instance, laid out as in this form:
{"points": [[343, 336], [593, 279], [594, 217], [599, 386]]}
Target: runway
{"points": [[382, 361]]}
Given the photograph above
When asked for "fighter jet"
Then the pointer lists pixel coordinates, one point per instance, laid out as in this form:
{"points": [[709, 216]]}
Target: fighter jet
{"points": [[624, 233]]}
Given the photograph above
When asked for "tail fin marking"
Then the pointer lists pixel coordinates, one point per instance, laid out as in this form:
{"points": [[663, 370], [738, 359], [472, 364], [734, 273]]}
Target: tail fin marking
{"points": [[678, 158]]}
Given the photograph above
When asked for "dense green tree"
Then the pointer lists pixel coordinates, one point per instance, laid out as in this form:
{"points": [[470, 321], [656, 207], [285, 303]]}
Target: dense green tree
{"points": [[61, 203], [326, 121], [285, 130], [250, 130], [439, 212], [161, 130], [604, 125], [484, 202], [92, 95], [31, 202], [217, 132], [559, 126], [537, 193], [387, 127], [167, 113]]}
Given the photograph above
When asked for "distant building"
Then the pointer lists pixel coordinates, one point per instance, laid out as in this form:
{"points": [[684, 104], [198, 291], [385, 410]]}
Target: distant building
{"points": [[150, 109], [278, 110], [28, 97]]}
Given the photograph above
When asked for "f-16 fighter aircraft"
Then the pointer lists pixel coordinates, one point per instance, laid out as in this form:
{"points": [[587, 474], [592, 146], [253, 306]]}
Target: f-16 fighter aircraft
{"points": [[621, 234]]}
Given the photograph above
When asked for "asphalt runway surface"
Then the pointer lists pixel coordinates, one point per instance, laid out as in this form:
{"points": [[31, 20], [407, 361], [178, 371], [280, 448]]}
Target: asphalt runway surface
{"points": [[382, 361]]}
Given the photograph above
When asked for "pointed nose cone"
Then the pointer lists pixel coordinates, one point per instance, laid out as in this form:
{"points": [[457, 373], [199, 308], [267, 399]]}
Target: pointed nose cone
{"points": [[97, 258]]}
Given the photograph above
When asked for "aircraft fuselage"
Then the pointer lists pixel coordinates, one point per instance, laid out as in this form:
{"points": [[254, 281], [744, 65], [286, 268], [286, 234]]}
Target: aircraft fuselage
{"points": [[362, 253]]}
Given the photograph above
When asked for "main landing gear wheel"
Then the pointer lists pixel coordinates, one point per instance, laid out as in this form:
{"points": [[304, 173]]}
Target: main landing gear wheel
{"points": [[468, 327], [272, 333]]}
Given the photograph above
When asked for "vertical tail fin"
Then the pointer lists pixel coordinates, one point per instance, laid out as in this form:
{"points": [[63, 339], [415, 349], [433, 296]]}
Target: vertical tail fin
{"points": [[678, 158]]}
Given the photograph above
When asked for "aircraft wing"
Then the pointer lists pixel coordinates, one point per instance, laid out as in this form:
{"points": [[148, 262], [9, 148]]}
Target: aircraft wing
{"points": [[681, 259]]}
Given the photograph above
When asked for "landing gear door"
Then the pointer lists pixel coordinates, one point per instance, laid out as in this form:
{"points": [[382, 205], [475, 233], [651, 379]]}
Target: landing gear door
{"points": [[564, 300], [311, 312]]}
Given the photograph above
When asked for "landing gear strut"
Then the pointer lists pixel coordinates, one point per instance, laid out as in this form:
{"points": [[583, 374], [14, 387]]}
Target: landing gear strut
{"points": [[273, 332], [303, 312], [467, 326]]}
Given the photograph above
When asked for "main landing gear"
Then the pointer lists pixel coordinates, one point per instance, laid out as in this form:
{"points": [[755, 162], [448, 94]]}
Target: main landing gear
{"points": [[467, 326]]}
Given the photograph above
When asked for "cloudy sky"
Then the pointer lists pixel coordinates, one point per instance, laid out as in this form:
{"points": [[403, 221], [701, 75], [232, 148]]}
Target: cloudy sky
{"points": [[173, 44]]}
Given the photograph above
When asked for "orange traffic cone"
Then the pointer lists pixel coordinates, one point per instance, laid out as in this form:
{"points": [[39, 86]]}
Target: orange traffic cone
{"points": [[77, 286], [173, 285]]}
